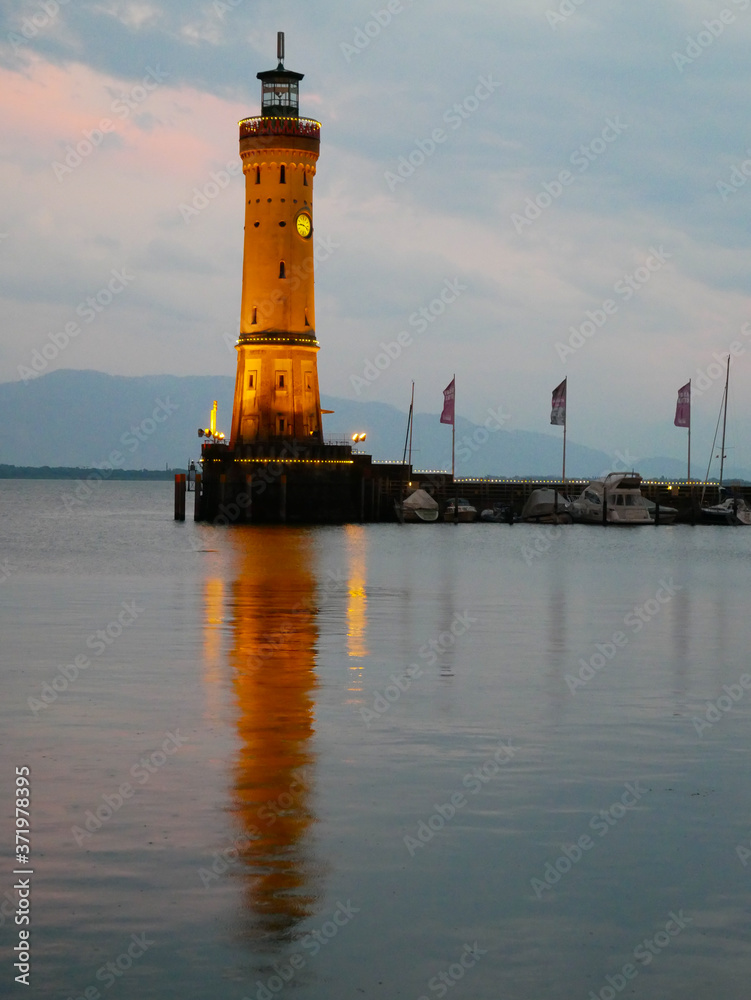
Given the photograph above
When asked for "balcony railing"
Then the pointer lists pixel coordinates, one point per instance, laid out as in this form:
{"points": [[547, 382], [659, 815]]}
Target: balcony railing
{"points": [[308, 128]]}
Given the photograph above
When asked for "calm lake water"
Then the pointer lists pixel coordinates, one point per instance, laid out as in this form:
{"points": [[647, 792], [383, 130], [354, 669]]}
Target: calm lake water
{"points": [[476, 761]]}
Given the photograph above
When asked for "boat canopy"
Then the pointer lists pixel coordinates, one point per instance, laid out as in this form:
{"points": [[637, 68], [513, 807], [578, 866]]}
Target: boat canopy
{"points": [[420, 500]]}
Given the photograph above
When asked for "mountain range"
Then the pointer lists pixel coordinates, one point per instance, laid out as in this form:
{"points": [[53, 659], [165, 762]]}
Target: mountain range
{"points": [[88, 419]]}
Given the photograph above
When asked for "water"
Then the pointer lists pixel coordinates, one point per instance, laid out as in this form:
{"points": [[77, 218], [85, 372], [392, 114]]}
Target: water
{"points": [[345, 762]]}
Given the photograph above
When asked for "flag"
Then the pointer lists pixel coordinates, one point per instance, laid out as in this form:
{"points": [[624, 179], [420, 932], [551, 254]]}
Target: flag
{"points": [[683, 406], [558, 410], [447, 417]]}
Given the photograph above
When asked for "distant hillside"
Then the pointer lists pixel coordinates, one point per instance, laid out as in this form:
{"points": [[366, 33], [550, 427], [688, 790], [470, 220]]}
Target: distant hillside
{"points": [[86, 418]]}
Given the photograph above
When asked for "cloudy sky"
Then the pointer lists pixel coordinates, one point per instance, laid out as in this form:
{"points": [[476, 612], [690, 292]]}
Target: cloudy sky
{"points": [[524, 189]]}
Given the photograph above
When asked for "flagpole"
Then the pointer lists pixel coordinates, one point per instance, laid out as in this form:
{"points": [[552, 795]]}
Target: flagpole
{"points": [[453, 430], [565, 420], [453, 442], [689, 432]]}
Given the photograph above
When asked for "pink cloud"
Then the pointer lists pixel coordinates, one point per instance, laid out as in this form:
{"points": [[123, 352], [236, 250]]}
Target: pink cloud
{"points": [[46, 108]]}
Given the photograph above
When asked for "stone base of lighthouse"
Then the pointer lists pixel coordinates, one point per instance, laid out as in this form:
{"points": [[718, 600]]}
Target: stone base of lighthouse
{"points": [[294, 481]]}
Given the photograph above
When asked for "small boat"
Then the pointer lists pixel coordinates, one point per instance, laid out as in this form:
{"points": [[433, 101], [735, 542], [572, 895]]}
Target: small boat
{"points": [[623, 502], [465, 512], [545, 506], [499, 513], [732, 509], [419, 506], [667, 514]]}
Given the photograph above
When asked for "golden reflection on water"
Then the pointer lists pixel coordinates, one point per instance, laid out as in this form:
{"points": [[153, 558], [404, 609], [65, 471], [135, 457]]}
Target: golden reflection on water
{"points": [[272, 618], [357, 602], [213, 595]]}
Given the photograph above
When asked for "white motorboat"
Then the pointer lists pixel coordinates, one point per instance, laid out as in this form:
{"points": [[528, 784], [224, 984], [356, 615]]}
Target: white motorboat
{"points": [[612, 499], [545, 506], [465, 512]]}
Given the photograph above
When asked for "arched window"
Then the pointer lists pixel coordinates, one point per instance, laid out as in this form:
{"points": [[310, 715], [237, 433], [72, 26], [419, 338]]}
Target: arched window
{"points": [[281, 269]]}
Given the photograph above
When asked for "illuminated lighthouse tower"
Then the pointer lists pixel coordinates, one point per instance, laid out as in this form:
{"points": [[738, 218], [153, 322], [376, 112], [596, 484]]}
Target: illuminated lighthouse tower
{"points": [[276, 390], [277, 466]]}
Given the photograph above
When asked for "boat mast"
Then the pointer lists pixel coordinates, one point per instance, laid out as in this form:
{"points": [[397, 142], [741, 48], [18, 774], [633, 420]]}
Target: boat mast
{"points": [[411, 418], [408, 435], [724, 422]]}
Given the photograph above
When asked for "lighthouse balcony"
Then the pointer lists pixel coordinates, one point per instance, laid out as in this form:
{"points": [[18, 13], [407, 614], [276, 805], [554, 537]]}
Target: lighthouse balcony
{"points": [[305, 128]]}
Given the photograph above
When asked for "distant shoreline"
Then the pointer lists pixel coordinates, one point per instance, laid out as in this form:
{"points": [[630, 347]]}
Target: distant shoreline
{"points": [[66, 472]]}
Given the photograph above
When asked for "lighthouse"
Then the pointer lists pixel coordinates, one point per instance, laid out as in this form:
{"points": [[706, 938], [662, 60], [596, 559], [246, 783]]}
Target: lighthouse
{"points": [[277, 466], [276, 388]]}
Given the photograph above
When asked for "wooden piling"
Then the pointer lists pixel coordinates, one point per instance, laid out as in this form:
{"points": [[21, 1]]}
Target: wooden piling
{"points": [[180, 489]]}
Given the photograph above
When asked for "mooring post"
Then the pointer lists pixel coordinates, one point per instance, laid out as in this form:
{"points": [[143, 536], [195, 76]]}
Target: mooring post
{"points": [[198, 494], [180, 485]]}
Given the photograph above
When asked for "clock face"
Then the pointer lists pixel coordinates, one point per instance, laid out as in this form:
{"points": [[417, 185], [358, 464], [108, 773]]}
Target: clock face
{"points": [[304, 225]]}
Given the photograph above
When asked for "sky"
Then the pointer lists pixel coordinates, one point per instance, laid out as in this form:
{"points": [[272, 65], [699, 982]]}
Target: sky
{"points": [[512, 191]]}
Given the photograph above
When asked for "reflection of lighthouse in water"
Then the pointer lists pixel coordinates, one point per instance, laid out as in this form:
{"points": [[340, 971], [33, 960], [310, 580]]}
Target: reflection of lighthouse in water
{"points": [[272, 658]]}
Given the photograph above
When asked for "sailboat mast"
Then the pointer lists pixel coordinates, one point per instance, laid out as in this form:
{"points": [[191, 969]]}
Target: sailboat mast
{"points": [[411, 418], [724, 422], [408, 435]]}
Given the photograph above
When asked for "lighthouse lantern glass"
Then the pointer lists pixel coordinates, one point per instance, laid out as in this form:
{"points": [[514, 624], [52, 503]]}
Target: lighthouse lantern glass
{"points": [[280, 96]]}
